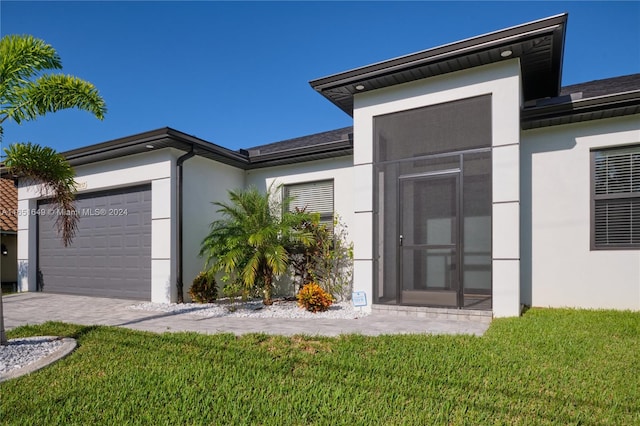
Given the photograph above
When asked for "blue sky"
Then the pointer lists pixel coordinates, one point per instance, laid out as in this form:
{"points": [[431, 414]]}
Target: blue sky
{"points": [[236, 73]]}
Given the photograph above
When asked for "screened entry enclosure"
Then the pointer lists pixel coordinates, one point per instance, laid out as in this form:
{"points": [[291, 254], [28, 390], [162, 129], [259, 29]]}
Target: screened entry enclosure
{"points": [[432, 205]]}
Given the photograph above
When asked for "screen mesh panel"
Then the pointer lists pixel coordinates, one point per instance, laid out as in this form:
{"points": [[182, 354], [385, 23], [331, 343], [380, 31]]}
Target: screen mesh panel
{"points": [[432, 205], [476, 241], [447, 127]]}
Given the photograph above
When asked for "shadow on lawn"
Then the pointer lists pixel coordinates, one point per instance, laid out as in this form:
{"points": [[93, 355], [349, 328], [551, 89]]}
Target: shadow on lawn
{"points": [[83, 331], [157, 316]]}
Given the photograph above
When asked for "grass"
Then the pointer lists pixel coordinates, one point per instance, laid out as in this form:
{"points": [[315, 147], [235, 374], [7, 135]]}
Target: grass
{"points": [[548, 367]]}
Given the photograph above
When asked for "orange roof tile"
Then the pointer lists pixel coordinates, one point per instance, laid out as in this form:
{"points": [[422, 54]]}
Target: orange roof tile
{"points": [[8, 206]]}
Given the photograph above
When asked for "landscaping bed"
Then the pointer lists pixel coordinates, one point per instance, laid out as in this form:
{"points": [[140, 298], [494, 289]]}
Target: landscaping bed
{"points": [[281, 308]]}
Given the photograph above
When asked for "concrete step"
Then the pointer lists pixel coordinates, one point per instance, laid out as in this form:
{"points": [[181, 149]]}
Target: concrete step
{"points": [[436, 313]]}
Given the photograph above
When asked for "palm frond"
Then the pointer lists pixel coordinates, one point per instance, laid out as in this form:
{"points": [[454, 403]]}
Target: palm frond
{"points": [[277, 259], [43, 166], [51, 93], [251, 269], [23, 57]]}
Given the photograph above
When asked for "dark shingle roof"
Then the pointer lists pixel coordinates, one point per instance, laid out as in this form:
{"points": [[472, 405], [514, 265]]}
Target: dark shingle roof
{"points": [[607, 86], [303, 141], [319, 146], [593, 100]]}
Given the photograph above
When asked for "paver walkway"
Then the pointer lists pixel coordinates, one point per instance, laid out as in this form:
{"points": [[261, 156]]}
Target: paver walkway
{"points": [[36, 308]]}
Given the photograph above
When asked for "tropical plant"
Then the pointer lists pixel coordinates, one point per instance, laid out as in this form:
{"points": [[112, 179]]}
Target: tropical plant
{"points": [[304, 257], [43, 166], [204, 289], [248, 244], [27, 92], [313, 298], [328, 260], [334, 268]]}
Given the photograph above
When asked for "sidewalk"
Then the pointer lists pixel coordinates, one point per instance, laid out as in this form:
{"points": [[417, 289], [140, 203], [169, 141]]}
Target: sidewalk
{"points": [[36, 308]]}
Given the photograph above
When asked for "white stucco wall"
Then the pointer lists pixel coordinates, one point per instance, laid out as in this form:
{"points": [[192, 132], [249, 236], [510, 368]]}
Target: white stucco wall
{"points": [[559, 268], [339, 169], [205, 181], [155, 167], [502, 81]]}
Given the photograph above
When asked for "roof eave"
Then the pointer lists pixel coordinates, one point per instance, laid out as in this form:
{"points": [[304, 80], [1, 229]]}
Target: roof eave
{"points": [[606, 106], [554, 27], [155, 139], [169, 138]]}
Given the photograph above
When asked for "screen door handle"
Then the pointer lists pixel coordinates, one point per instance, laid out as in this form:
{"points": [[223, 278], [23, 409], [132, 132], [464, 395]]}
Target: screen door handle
{"points": [[401, 239]]}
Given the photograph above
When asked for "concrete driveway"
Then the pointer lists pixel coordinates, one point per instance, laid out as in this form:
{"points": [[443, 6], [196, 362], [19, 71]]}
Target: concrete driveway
{"points": [[36, 308]]}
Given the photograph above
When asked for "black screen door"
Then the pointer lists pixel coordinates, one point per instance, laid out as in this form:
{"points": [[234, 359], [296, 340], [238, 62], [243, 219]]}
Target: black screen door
{"points": [[429, 239]]}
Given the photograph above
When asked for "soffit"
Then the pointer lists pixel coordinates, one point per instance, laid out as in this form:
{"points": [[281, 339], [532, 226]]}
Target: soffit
{"points": [[539, 46]]}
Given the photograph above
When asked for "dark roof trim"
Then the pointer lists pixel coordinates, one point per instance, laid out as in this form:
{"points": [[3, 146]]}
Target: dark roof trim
{"points": [[153, 140], [169, 138], [573, 111], [539, 45]]}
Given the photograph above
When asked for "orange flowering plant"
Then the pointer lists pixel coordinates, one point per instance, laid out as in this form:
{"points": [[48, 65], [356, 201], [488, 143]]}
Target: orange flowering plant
{"points": [[313, 298]]}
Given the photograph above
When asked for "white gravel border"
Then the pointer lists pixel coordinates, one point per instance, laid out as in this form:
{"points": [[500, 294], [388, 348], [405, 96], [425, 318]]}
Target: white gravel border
{"points": [[253, 309], [28, 354]]}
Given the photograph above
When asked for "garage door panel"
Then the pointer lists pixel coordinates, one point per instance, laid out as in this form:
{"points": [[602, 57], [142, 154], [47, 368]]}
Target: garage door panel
{"points": [[133, 220], [111, 253], [132, 242]]}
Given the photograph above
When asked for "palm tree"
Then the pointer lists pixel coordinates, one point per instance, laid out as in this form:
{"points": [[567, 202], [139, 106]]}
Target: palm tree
{"points": [[45, 167], [27, 92], [248, 244]]}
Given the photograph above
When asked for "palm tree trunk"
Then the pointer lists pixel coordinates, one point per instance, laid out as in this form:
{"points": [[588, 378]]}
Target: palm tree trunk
{"points": [[268, 280]]}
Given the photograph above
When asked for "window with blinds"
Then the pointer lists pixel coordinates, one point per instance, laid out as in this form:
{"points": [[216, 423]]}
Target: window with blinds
{"points": [[315, 197], [615, 207]]}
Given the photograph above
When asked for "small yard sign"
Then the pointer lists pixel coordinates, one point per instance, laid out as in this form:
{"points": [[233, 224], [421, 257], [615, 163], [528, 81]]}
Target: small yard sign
{"points": [[359, 298]]}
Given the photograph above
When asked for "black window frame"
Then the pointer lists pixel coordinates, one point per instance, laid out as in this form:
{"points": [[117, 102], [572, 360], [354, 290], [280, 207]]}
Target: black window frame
{"points": [[616, 196]]}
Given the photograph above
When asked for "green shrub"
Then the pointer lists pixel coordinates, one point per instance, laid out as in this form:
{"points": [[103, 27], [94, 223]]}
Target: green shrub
{"points": [[327, 260], [203, 289], [313, 298]]}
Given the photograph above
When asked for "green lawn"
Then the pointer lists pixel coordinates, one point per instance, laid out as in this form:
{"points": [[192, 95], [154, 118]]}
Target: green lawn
{"points": [[547, 367]]}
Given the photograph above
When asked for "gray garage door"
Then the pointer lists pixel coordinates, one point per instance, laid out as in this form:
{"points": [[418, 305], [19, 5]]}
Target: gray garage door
{"points": [[111, 253]]}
